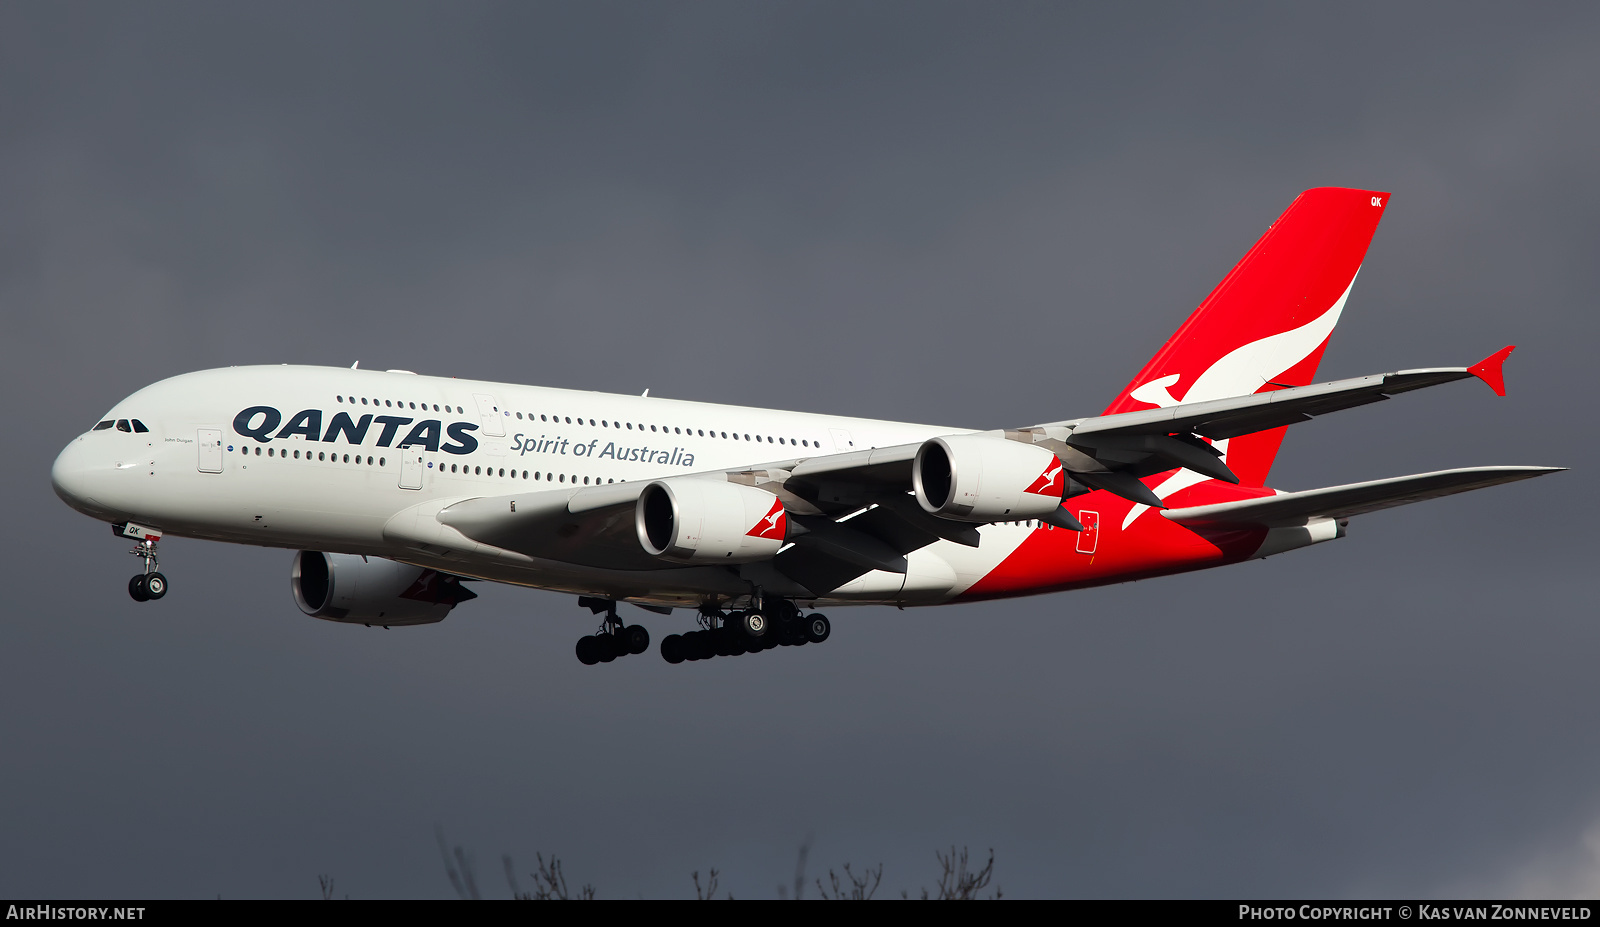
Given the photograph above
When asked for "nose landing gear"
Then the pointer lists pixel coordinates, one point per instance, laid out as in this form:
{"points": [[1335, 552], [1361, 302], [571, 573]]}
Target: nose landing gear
{"points": [[150, 584]]}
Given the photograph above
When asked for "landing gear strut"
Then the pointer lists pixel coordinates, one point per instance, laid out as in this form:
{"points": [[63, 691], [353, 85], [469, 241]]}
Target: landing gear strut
{"points": [[752, 630], [613, 640], [150, 584]]}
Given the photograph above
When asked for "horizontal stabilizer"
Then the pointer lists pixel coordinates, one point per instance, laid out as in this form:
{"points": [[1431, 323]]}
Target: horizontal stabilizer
{"points": [[1297, 508]]}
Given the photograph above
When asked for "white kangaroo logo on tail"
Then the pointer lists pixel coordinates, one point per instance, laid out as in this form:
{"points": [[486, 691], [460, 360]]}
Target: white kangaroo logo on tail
{"points": [[1240, 372]]}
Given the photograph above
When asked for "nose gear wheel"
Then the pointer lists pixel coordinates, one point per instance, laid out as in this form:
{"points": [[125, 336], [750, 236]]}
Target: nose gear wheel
{"points": [[151, 584]]}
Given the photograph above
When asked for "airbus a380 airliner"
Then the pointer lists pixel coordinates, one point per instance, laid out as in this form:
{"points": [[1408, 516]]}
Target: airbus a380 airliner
{"points": [[395, 487]]}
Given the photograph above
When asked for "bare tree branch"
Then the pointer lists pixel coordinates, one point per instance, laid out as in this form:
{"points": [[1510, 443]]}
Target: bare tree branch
{"points": [[549, 883], [710, 891], [860, 888], [799, 872], [459, 870], [956, 881]]}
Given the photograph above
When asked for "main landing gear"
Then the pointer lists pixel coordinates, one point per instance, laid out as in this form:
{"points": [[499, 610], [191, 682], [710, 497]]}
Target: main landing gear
{"points": [[752, 630], [150, 584], [613, 640]]}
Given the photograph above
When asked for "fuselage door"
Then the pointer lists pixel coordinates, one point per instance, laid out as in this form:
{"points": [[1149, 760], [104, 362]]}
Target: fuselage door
{"points": [[411, 468], [210, 443], [490, 416], [841, 440], [1089, 537]]}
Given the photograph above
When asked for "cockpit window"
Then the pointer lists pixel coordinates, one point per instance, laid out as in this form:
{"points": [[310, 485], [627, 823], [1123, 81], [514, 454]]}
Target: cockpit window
{"points": [[104, 425], [138, 427], [123, 425]]}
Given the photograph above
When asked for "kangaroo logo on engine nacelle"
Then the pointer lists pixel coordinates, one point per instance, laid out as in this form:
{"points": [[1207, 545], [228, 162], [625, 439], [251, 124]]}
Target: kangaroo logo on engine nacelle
{"points": [[1050, 482], [774, 524]]}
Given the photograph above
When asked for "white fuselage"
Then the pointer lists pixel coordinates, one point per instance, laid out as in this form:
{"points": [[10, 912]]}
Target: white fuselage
{"points": [[301, 471]]}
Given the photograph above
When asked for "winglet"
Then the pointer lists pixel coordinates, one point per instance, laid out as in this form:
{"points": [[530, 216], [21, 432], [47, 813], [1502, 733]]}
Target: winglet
{"points": [[1488, 370]]}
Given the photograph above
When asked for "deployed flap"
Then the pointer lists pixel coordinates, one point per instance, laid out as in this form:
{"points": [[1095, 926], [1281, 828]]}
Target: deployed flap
{"points": [[1297, 508]]}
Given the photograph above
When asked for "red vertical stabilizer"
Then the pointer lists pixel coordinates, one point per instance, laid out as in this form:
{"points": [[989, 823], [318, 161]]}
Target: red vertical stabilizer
{"points": [[1267, 323]]}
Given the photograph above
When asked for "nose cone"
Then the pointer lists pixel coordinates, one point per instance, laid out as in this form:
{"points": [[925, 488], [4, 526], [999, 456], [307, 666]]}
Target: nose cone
{"points": [[77, 476]]}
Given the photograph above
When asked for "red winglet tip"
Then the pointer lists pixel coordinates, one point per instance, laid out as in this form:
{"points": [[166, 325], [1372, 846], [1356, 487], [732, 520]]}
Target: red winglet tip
{"points": [[1488, 370]]}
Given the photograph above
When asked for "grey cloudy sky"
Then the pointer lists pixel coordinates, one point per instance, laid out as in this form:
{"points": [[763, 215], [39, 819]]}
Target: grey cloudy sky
{"points": [[973, 214]]}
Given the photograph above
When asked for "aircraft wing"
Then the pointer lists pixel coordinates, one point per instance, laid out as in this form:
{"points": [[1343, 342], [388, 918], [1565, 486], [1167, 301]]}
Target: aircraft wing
{"points": [[1297, 508], [1242, 415], [1112, 452], [852, 514]]}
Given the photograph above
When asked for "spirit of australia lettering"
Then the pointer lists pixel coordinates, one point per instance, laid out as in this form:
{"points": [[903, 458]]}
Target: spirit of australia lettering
{"points": [[523, 444]]}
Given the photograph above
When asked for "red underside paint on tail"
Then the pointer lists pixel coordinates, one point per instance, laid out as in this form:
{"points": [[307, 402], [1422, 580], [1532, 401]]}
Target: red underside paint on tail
{"points": [[1051, 561]]}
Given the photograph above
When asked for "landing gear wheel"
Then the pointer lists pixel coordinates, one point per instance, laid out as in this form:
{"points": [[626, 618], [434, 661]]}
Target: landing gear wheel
{"points": [[588, 650], [634, 639], [672, 649], [136, 589], [754, 624], [155, 586], [607, 647], [818, 628]]}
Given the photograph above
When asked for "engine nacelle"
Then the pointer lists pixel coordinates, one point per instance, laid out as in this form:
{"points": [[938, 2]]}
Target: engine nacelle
{"points": [[705, 521], [358, 590], [983, 478]]}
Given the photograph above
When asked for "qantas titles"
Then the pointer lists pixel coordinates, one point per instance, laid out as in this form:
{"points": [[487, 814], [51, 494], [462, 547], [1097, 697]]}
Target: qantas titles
{"points": [[261, 423]]}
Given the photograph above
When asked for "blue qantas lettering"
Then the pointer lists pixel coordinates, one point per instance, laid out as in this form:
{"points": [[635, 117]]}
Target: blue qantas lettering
{"points": [[261, 423]]}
